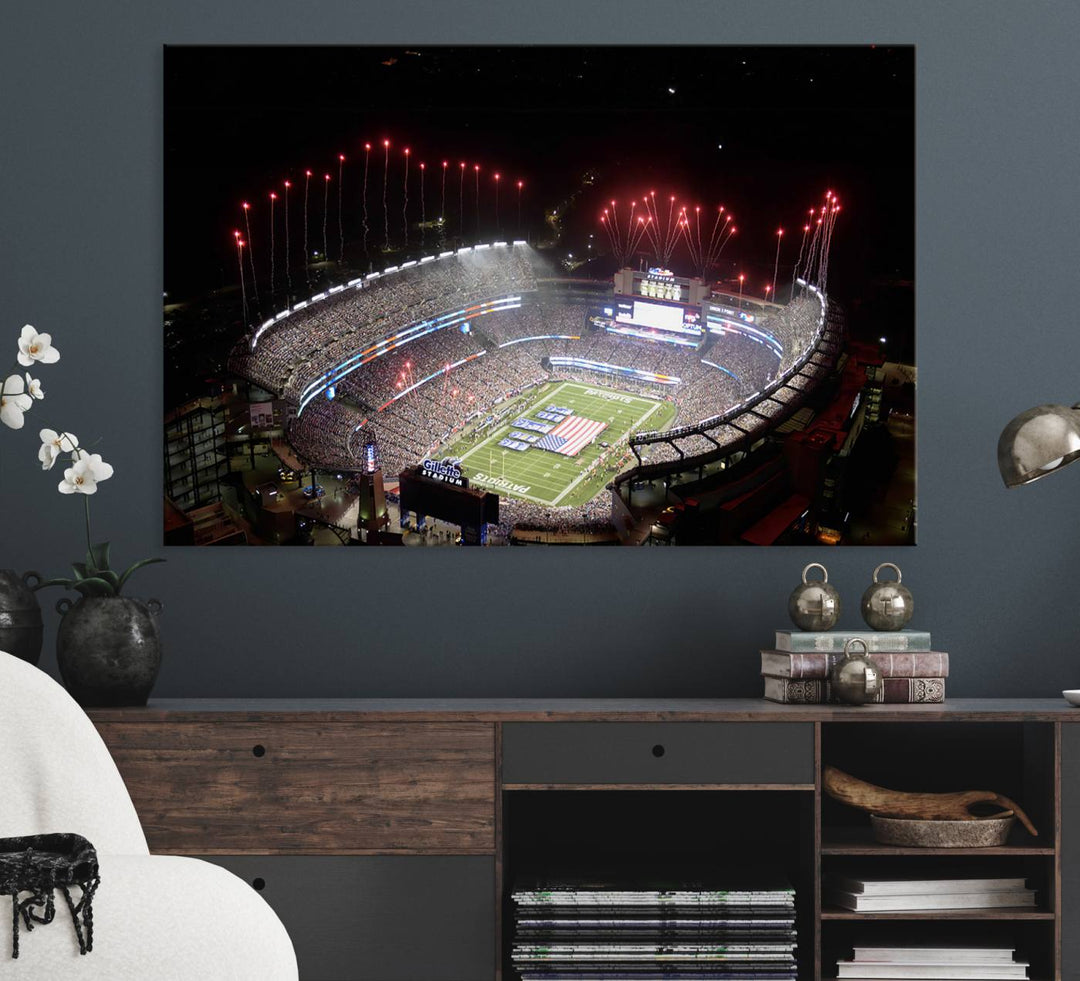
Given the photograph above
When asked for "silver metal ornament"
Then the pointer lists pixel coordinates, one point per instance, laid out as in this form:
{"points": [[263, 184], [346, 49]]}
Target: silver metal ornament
{"points": [[887, 605], [856, 680], [814, 605]]}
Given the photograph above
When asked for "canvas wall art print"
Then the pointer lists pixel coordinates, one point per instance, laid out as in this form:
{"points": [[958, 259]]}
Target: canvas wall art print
{"points": [[539, 296]]}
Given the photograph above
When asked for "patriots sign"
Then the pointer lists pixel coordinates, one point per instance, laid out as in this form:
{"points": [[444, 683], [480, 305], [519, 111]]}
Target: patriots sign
{"points": [[571, 436]]}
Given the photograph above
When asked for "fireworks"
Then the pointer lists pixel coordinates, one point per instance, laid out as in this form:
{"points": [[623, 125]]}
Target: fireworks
{"points": [[367, 160], [705, 253], [325, 209], [273, 281], [251, 251], [288, 268], [624, 236], [340, 219], [405, 199], [307, 188], [423, 212], [385, 180]]}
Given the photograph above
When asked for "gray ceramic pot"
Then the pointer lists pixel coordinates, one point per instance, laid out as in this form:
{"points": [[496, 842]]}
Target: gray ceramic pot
{"points": [[20, 616], [108, 649]]}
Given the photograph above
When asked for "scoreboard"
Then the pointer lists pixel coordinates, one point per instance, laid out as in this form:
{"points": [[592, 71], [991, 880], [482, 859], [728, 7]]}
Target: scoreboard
{"points": [[650, 315], [661, 284]]}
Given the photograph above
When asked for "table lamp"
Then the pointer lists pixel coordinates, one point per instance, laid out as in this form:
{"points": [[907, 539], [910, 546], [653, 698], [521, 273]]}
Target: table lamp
{"points": [[1039, 441]]}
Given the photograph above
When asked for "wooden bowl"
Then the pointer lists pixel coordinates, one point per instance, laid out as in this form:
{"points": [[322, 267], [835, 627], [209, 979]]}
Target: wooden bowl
{"points": [[912, 832]]}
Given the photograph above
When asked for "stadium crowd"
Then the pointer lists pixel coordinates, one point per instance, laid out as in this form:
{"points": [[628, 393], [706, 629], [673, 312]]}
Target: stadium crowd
{"points": [[412, 421], [308, 343]]}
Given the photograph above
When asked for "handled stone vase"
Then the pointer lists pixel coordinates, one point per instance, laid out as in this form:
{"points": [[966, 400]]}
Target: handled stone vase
{"points": [[21, 629], [108, 649]]}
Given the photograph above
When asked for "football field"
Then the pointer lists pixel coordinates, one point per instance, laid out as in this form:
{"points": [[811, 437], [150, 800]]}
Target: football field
{"points": [[547, 477]]}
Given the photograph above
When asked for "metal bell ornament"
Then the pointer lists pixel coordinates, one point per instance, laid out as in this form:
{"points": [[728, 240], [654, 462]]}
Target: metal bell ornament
{"points": [[855, 679], [887, 605], [814, 605]]}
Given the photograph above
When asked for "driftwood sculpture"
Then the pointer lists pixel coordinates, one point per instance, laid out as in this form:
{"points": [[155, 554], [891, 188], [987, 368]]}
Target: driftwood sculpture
{"points": [[900, 804]]}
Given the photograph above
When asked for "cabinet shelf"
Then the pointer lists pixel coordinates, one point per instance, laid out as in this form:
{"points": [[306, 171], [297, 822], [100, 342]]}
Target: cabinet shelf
{"points": [[860, 841]]}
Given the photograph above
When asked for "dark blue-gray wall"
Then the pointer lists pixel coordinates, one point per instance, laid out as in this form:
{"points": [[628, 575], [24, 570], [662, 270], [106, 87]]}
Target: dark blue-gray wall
{"points": [[995, 575]]}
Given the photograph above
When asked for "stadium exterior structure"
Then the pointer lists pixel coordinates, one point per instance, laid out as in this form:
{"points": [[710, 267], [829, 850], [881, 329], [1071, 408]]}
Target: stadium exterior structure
{"points": [[311, 373]]}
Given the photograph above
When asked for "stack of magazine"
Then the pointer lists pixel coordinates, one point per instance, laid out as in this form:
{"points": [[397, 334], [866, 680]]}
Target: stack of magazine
{"points": [[568, 930]]}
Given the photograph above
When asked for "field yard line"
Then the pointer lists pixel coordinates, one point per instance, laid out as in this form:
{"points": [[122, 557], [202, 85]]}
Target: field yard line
{"points": [[481, 444], [555, 503]]}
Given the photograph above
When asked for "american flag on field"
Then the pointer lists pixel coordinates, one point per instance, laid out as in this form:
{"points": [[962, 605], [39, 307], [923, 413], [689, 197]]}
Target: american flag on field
{"points": [[571, 435]]}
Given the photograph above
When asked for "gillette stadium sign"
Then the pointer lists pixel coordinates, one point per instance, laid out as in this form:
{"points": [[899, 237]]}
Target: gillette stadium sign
{"points": [[444, 472]]}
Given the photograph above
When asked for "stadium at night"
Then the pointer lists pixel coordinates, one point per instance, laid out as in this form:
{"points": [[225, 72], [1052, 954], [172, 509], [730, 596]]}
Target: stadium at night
{"points": [[413, 346]]}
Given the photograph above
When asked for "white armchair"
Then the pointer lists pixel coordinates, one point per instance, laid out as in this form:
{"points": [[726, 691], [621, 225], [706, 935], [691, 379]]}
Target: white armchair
{"points": [[156, 918]]}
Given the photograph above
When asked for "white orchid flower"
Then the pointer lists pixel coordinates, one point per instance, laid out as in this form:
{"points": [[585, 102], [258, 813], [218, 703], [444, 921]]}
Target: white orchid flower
{"points": [[33, 387], [36, 347], [83, 476], [53, 444], [14, 401]]}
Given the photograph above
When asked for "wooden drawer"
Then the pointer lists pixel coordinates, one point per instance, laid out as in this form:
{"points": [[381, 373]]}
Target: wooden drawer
{"points": [[688, 753], [381, 918], [229, 788]]}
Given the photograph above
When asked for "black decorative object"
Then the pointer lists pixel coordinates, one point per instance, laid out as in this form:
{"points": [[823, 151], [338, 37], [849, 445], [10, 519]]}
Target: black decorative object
{"points": [[108, 649], [41, 864], [20, 616]]}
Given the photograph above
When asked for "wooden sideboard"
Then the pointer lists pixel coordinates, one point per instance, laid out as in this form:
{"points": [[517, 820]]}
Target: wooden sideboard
{"points": [[387, 833]]}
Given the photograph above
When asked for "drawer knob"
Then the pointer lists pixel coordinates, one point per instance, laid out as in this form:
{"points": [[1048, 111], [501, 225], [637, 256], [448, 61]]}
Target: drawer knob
{"points": [[258, 750], [258, 884], [658, 750]]}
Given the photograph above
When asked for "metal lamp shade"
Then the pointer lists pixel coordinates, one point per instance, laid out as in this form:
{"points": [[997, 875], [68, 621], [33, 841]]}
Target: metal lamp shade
{"points": [[1037, 442]]}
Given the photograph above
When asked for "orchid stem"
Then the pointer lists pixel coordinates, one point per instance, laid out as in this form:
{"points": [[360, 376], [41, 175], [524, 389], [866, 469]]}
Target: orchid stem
{"points": [[89, 547]]}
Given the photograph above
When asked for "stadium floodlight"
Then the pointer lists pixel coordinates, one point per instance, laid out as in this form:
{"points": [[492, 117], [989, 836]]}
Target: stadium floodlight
{"points": [[427, 258], [353, 282], [483, 246], [406, 265], [317, 297], [1039, 441], [446, 255], [335, 289], [463, 250], [520, 241], [373, 275], [300, 305], [390, 269]]}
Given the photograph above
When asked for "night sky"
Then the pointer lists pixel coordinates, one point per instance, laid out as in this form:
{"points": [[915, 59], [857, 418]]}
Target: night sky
{"points": [[764, 131]]}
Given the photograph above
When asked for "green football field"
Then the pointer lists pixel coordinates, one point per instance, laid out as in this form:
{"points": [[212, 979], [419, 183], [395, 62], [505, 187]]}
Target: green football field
{"points": [[543, 476]]}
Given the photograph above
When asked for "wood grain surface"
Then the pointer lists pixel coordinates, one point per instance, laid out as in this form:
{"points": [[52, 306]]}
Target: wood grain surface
{"points": [[213, 787]]}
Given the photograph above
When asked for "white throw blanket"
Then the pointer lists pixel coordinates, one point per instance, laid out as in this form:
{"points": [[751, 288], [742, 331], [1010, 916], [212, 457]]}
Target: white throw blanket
{"points": [[156, 918]]}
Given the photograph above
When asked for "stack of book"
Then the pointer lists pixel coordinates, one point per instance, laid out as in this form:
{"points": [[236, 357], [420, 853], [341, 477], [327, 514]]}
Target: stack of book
{"points": [[939, 963], [580, 931], [797, 669], [896, 894]]}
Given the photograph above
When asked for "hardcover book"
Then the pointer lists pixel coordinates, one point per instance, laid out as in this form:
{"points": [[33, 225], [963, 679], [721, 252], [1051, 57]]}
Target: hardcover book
{"points": [[833, 641], [895, 691], [919, 887], [816, 664], [979, 900]]}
